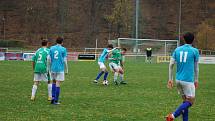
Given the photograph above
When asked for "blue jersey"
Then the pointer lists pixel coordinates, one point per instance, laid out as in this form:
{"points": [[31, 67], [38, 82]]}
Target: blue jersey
{"points": [[57, 55], [185, 57], [103, 56]]}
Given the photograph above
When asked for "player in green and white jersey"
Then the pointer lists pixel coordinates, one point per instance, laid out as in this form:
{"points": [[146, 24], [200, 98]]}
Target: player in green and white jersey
{"points": [[40, 66], [114, 64]]}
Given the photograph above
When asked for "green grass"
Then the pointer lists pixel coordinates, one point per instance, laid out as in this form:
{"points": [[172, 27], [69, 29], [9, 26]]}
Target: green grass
{"points": [[145, 98]]}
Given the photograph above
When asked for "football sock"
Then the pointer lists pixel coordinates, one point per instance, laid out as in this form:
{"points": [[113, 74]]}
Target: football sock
{"points": [[105, 76], [99, 75], [34, 90], [50, 90], [115, 76], [53, 90], [57, 94], [185, 105], [185, 115], [121, 77]]}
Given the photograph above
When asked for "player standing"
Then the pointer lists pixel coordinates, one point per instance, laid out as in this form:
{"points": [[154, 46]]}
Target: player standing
{"points": [[101, 64], [149, 55], [41, 69], [186, 58], [58, 60]]}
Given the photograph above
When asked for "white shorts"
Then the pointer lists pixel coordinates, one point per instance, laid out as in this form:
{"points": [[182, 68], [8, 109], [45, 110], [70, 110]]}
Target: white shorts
{"points": [[186, 88], [57, 76], [101, 65], [114, 66], [40, 77]]}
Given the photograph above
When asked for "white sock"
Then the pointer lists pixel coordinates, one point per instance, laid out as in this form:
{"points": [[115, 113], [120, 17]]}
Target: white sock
{"points": [[34, 90], [121, 77], [115, 76], [50, 90]]}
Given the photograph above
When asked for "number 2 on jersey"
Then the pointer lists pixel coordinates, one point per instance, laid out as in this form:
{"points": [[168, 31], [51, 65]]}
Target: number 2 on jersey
{"points": [[183, 56], [56, 54]]}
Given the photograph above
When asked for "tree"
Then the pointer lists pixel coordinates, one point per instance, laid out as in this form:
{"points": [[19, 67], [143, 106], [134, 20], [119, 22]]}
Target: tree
{"points": [[205, 35], [121, 17]]}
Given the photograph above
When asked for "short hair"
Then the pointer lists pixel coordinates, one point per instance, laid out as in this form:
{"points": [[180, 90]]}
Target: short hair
{"points": [[59, 40], [188, 37], [44, 42], [110, 46], [124, 49]]}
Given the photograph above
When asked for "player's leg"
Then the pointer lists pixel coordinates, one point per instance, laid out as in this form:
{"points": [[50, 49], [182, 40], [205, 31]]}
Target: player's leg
{"points": [[49, 91], [35, 85], [53, 75], [116, 73], [102, 71], [188, 94], [121, 75], [59, 79]]}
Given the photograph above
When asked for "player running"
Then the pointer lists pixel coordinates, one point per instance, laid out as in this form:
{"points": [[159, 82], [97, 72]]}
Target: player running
{"points": [[58, 60], [186, 58], [101, 64], [41, 69]]}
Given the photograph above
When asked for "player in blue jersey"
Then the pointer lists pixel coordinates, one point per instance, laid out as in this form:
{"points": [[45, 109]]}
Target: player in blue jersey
{"points": [[186, 58], [101, 64], [58, 66]]}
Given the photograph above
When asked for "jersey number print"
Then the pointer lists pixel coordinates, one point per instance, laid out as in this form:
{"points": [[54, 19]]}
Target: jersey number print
{"points": [[56, 54], [183, 56]]}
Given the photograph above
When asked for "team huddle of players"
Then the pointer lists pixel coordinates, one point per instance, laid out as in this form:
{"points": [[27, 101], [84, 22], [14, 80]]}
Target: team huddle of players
{"points": [[51, 64]]}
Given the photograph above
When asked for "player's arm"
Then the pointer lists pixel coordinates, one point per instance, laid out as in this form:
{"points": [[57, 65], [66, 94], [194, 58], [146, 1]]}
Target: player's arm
{"points": [[66, 65], [112, 49], [65, 62], [196, 71], [33, 63], [48, 64], [171, 65]]}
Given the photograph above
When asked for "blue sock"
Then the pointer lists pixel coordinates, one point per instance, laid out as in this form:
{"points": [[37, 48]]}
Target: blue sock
{"points": [[185, 105], [185, 115], [53, 90], [105, 76], [99, 75], [57, 94]]}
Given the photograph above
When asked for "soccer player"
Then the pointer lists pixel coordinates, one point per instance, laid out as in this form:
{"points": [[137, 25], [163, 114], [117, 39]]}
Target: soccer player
{"points": [[41, 69], [121, 69], [101, 64], [149, 55], [186, 58], [58, 60], [115, 64]]}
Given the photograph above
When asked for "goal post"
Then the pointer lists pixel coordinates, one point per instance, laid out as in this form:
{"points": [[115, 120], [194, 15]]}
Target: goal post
{"points": [[137, 47]]}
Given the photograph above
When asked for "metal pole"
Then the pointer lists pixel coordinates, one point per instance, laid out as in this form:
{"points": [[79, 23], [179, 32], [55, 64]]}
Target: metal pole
{"points": [[137, 23], [165, 48], [179, 24], [96, 47]]}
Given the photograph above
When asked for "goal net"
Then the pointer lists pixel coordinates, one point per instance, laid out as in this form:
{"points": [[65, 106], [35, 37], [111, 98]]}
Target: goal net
{"points": [[136, 48]]}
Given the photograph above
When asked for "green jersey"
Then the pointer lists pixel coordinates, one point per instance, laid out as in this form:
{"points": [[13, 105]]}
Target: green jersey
{"points": [[40, 60], [116, 56]]}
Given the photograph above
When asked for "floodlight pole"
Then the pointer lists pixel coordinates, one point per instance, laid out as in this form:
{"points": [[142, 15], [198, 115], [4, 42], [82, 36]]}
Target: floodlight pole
{"points": [[179, 24], [137, 22]]}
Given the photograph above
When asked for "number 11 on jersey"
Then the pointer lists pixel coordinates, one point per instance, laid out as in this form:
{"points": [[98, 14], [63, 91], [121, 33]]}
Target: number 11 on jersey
{"points": [[183, 56]]}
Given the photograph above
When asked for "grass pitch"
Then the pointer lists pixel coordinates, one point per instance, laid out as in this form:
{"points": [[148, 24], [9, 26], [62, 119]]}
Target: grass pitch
{"points": [[144, 98]]}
